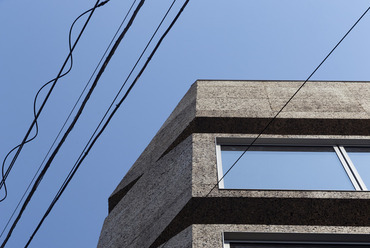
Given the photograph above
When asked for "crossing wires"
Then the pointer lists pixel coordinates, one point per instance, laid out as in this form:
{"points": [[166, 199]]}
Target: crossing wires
{"points": [[74, 121], [37, 113], [93, 139], [70, 114]]}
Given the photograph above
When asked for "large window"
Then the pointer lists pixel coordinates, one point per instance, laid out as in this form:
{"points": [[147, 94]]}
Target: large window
{"points": [[294, 167]]}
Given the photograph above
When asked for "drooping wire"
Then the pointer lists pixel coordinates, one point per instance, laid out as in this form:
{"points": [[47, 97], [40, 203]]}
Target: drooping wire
{"points": [[56, 150], [64, 124], [34, 109], [90, 144], [34, 106], [282, 108], [36, 114]]}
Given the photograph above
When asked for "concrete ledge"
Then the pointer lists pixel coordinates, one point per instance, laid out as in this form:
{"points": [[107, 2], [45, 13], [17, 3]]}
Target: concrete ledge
{"points": [[289, 126], [268, 211]]}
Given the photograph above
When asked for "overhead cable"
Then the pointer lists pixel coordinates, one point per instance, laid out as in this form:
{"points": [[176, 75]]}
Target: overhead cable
{"points": [[68, 117], [80, 110], [89, 145], [37, 114]]}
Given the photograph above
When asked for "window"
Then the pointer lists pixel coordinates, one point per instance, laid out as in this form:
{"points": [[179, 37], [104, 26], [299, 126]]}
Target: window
{"points": [[361, 158], [294, 167], [296, 240]]}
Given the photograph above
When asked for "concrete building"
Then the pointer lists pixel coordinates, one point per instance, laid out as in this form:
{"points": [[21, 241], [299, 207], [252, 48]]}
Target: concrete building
{"points": [[310, 190]]}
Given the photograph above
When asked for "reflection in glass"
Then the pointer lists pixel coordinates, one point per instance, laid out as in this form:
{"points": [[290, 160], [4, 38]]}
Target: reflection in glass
{"points": [[271, 167], [360, 157]]}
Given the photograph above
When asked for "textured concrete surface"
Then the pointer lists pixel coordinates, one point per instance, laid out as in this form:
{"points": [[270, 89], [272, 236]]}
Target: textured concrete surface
{"points": [[270, 211], [170, 198], [181, 240], [171, 129], [156, 198], [338, 100]]}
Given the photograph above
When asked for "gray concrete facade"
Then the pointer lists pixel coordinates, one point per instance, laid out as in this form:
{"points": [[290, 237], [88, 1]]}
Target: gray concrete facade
{"points": [[169, 199]]}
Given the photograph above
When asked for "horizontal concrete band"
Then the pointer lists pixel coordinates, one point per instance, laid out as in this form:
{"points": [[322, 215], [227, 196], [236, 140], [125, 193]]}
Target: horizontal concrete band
{"points": [[280, 126], [268, 211]]}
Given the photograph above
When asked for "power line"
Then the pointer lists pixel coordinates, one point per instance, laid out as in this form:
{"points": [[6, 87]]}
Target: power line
{"points": [[75, 105], [36, 115], [80, 110], [34, 105], [295, 93], [282, 108], [88, 147]]}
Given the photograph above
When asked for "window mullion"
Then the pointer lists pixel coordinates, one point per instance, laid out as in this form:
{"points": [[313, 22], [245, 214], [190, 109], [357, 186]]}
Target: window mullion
{"points": [[353, 168], [347, 168]]}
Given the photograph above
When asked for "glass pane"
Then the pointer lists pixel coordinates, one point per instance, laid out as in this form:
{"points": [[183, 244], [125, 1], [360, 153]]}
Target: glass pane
{"points": [[296, 168], [361, 159]]}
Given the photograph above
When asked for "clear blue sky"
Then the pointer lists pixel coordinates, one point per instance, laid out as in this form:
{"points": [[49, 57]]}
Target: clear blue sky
{"points": [[214, 39]]}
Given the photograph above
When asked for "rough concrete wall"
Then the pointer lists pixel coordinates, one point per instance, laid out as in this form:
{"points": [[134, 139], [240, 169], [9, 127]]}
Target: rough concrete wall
{"points": [[176, 122], [181, 240], [204, 164], [155, 199], [265, 98], [210, 236]]}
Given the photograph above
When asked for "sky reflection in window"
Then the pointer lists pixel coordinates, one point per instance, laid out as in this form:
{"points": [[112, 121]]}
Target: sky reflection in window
{"points": [[296, 168]]}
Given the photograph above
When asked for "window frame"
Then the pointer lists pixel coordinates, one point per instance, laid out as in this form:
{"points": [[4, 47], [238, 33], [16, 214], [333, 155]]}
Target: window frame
{"points": [[339, 150], [295, 238]]}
